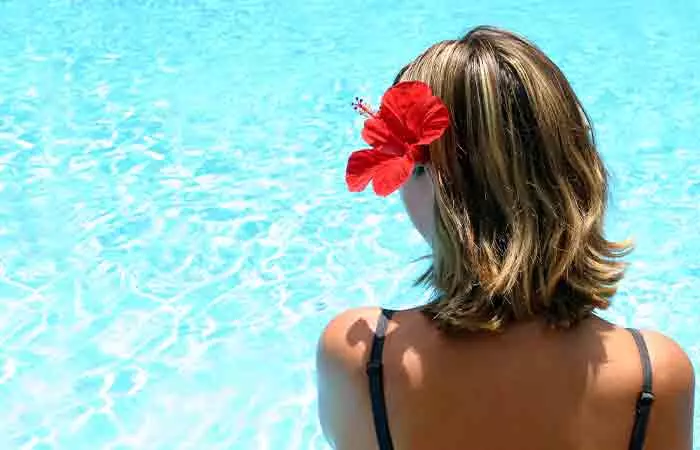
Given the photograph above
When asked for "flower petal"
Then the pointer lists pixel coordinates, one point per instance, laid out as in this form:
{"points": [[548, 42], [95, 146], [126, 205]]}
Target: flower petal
{"points": [[362, 166], [376, 132], [428, 120], [379, 136], [391, 174], [397, 101], [420, 154], [402, 96]]}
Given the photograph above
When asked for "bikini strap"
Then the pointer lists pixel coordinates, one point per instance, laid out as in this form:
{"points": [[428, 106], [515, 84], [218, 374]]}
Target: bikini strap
{"points": [[646, 396], [375, 372]]}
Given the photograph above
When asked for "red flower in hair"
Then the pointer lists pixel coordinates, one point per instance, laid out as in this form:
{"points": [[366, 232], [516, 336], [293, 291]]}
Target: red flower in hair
{"points": [[409, 118]]}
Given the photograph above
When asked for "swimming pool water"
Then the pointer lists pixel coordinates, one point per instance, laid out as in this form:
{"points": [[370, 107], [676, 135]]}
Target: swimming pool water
{"points": [[174, 227]]}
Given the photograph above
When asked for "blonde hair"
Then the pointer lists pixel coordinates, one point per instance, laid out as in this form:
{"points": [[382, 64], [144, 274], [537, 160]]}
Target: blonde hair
{"points": [[520, 189]]}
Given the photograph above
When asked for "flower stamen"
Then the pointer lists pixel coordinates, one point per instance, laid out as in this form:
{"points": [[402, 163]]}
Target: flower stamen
{"points": [[363, 108]]}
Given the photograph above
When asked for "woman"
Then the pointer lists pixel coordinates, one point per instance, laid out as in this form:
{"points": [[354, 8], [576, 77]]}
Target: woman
{"points": [[497, 167]]}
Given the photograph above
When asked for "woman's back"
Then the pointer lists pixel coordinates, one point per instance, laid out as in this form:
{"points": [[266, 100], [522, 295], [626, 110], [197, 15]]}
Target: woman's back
{"points": [[498, 169], [530, 387]]}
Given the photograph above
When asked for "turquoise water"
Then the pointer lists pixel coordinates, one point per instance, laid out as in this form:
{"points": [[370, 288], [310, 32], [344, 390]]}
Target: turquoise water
{"points": [[175, 230]]}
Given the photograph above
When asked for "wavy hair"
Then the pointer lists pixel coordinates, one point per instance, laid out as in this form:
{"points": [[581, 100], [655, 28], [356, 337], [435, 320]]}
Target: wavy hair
{"points": [[520, 189]]}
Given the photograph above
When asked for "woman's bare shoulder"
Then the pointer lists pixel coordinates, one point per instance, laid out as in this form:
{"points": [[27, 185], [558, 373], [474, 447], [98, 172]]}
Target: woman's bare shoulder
{"points": [[671, 365], [347, 337], [343, 404], [673, 385], [673, 370]]}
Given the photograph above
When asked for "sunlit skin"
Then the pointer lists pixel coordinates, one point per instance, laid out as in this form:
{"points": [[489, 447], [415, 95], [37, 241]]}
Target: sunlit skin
{"points": [[529, 388], [419, 200]]}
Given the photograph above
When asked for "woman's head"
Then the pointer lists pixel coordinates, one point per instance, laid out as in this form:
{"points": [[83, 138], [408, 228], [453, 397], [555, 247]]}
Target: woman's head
{"points": [[514, 195]]}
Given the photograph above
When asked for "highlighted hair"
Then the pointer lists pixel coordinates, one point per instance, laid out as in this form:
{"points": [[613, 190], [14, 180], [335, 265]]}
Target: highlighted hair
{"points": [[520, 189]]}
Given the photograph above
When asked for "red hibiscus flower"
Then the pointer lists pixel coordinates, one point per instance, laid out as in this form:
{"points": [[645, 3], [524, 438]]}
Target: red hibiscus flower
{"points": [[409, 118]]}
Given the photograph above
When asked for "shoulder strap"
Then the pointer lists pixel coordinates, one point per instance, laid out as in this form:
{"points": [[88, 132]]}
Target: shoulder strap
{"points": [[646, 396], [375, 373]]}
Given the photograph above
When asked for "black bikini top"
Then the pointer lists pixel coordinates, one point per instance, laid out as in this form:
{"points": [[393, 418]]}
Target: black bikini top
{"points": [[381, 420]]}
